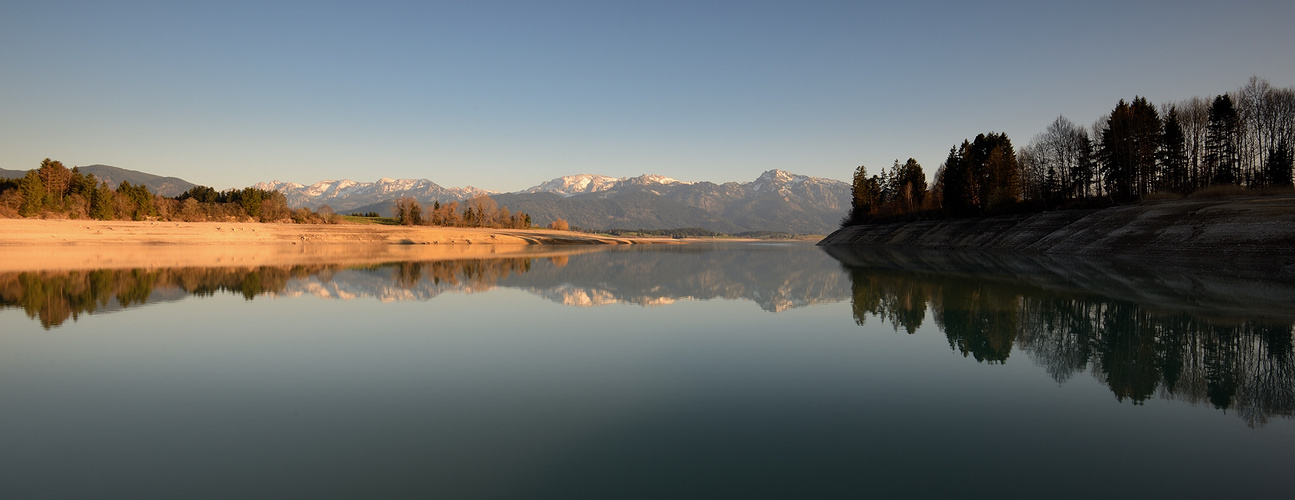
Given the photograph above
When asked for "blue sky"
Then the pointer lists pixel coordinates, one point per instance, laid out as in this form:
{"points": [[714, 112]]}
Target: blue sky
{"points": [[505, 95]]}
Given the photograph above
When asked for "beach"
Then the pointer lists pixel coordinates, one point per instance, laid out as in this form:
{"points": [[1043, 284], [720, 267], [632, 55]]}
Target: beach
{"points": [[39, 244]]}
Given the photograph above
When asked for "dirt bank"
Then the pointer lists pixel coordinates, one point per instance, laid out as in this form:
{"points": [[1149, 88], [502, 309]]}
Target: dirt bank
{"points": [[1249, 227], [91, 232], [34, 244]]}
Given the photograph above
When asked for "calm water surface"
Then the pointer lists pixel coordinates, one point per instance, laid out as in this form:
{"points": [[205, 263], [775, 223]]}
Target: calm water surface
{"points": [[732, 370]]}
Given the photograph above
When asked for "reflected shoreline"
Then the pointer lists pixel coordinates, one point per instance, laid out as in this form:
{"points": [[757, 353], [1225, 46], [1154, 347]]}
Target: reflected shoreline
{"points": [[1233, 290], [1216, 336], [777, 277], [1222, 337], [94, 257]]}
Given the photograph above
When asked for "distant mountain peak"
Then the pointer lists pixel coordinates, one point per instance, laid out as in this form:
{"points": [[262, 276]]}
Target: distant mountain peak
{"points": [[777, 200], [655, 179], [572, 185], [346, 195], [779, 175]]}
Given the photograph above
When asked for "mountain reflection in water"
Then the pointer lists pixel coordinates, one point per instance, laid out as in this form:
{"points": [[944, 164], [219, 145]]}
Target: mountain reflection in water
{"points": [[1214, 336], [777, 277]]}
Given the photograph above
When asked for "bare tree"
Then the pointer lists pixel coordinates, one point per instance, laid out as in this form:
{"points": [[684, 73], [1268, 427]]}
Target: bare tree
{"points": [[1060, 152], [408, 211], [1194, 118], [485, 208]]}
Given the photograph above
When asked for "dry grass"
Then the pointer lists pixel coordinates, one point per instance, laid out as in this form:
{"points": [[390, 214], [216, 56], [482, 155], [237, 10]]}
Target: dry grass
{"points": [[1214, 192]]}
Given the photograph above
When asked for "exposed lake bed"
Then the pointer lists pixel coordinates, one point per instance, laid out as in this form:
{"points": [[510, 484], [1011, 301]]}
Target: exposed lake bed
{"points": [[1209, 229]]}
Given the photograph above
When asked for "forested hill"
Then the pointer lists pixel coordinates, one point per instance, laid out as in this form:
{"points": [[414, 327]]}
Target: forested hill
{"points": [[1256, 227], [156, 184]]}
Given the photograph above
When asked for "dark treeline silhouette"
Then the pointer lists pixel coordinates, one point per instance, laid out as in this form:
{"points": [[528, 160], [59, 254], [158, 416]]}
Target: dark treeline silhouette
{"points": [[53, 297], [1241, 139], [1138, 352]]}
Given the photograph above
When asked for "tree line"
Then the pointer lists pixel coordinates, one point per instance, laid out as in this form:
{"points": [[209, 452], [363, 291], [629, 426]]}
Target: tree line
{"points": [[53, 297], [54, 191], [479, 211], [1237, 140]]}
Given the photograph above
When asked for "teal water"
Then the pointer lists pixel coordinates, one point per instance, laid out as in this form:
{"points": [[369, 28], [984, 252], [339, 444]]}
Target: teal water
{"points": [[732, 370]]}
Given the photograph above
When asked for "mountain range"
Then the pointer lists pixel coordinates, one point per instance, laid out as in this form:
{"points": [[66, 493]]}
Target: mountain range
{"points": [[346, 196], [774, 201]]}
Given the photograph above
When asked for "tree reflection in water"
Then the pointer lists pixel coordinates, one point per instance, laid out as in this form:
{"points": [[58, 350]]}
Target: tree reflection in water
{"points": [[53, 297], [1177, 333]]}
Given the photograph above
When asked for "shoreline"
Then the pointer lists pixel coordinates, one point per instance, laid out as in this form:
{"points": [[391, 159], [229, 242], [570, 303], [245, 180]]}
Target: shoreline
{"points": [[1255, 227], [24, 232], [62, 244]]}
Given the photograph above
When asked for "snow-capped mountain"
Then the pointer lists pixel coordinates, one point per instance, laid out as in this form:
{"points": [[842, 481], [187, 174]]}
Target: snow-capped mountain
{"points": [[775, 201], [346, 195], [572, 185]]}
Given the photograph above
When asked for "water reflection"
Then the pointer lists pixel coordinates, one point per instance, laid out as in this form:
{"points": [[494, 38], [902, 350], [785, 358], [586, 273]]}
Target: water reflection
{"points": [[777, 277], [1213, 336], [1220, 337]]}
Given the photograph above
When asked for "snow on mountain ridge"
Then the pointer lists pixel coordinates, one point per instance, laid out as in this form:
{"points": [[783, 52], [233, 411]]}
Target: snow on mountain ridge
{"points": [[572, 185], [576, 184], [346, 194]]}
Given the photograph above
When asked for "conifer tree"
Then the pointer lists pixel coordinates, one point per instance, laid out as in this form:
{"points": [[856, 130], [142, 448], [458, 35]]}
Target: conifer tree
{"points": [[1173, 155], [1222, 144], [1277, 169]]}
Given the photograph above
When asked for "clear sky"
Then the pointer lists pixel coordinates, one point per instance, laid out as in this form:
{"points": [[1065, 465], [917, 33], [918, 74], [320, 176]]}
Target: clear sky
{"points": [[505, 95]]}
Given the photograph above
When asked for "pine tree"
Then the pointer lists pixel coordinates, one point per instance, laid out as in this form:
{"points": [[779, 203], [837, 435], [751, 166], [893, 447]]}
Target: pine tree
{"points": [[1277, 170], [101, 202], [1173, 155], [1222, 142], [1130, 145], [33, 194]]}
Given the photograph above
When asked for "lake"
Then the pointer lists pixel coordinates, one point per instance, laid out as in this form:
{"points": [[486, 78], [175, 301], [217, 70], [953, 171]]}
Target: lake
{"points": [[778, 370]]}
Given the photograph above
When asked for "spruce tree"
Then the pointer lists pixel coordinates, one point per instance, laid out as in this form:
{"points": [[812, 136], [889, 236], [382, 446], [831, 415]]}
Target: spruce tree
{"points": [[1173, 155]]}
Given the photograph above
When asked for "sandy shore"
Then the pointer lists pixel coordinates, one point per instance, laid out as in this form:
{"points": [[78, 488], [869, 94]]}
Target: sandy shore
{"points": [[34, 244], [93, 232]]}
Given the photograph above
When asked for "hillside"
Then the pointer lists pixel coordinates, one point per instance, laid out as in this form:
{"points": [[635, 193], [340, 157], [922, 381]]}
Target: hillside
{"points": [[1243, 227], [165, 186]]}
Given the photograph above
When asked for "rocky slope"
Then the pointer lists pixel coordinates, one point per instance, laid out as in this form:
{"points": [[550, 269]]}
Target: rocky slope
{"points": [[1246, 227]]}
